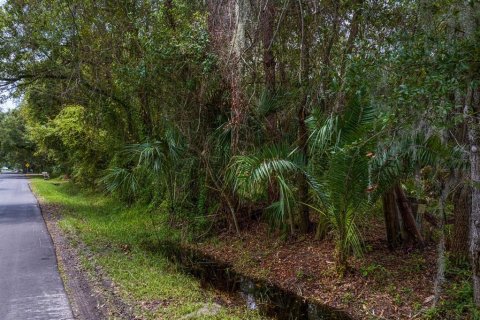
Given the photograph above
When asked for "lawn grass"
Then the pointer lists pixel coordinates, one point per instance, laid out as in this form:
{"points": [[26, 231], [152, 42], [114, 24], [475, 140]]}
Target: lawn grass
{"points": [[114, 234]]}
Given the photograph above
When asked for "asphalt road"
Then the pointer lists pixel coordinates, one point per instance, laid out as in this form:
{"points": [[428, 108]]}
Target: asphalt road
{"points": [[30, 284]]}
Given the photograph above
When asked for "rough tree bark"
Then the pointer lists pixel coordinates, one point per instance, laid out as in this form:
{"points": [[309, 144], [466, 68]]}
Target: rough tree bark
{"points": [[468, 24], [441, 258], [472, 107], [461, 214], [237, 103], [392, 222], [459, 240], [267, 29], [406, 213], [226, 25], [304, 222]]}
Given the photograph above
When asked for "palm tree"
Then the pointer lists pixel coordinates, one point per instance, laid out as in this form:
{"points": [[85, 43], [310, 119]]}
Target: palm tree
{"points": [[146, 164], [338, 176], [340, 161], [269, 174]]}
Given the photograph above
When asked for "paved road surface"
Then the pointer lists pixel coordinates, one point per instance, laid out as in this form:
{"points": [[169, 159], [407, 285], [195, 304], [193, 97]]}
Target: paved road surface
{"points": [[30, 285]]}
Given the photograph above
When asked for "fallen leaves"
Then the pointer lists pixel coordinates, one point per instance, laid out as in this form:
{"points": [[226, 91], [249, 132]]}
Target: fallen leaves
{"points": [[392, 290]]}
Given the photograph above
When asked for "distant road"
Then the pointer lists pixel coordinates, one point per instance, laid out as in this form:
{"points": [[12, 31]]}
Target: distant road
{"points": [[30, 284]]}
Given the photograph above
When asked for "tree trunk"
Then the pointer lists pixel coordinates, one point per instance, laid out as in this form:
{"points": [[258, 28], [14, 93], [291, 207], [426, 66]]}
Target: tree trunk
{"points": [[462, 205], [145, 112], [352, 35], [407, 215], [305, 222], [169, 14], [441, 259], [472, 104], [226, 23], [267, 27], [468, 14], [304, 217], [461, 214], [392, 222]]}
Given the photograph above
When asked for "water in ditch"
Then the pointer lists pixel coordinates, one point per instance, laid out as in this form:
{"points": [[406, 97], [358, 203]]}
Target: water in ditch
{"points": [[269, 299]]}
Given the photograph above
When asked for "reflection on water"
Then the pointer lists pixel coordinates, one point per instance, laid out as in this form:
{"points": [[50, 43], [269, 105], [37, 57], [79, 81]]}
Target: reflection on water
{"points": [[247, 289]]}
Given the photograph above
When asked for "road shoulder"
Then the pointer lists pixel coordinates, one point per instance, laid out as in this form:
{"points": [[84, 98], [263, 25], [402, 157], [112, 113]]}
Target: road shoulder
{"points": [[90, 292]]}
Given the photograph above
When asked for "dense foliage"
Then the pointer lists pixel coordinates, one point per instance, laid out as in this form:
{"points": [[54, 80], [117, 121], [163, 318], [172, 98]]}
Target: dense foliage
{"points": [[16, 148]]}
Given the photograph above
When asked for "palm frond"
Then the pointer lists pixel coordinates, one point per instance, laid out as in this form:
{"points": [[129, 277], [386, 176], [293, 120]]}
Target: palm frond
{"points": [[121, 181]]}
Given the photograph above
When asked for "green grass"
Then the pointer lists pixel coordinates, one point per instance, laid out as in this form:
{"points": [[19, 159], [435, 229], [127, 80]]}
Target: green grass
{"points": [[114, 234]]}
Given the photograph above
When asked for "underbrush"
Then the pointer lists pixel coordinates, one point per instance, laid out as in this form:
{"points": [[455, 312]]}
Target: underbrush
{"points": [[116, 235], [458, 300]]}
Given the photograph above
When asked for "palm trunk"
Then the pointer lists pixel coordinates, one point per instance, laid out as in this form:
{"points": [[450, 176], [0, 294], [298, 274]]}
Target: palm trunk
{"points": [[392, 222]]}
